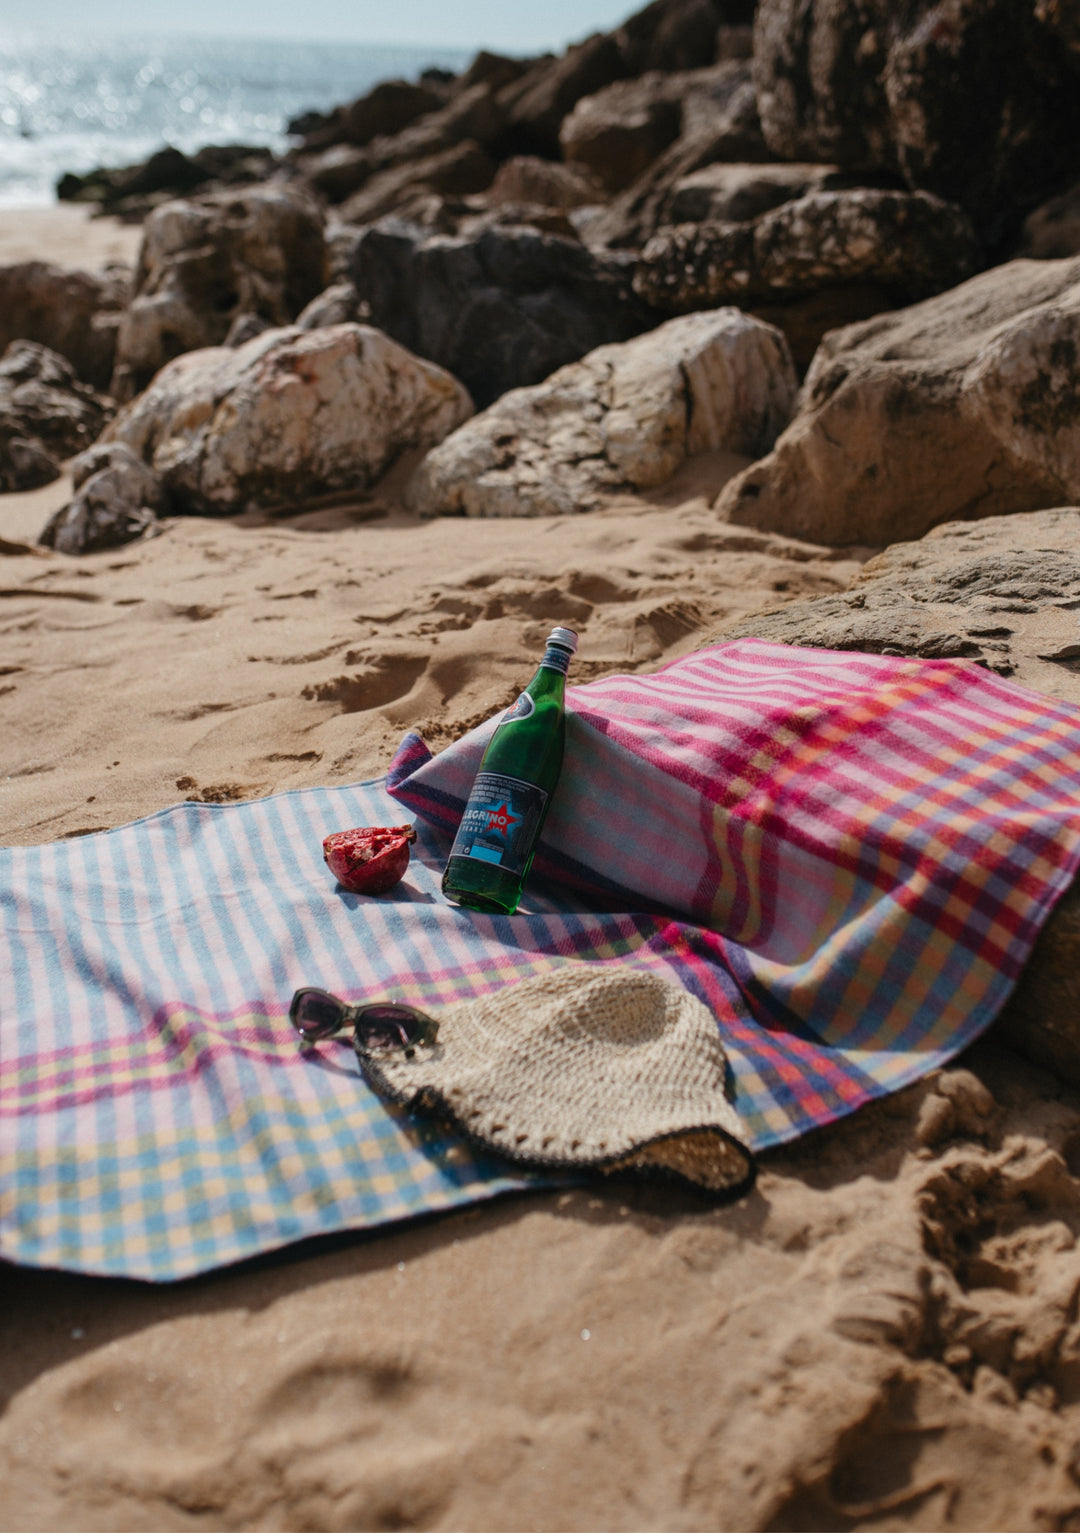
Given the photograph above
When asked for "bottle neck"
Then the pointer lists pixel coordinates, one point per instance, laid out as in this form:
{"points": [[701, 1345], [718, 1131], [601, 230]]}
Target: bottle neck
{"points": [[556, 658]]}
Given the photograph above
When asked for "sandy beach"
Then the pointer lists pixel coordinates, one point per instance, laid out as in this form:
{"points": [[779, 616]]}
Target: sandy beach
{"points": [[812, 1357]]}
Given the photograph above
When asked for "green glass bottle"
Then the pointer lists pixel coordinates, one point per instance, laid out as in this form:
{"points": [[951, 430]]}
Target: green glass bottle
{"points": [[493, 849]]}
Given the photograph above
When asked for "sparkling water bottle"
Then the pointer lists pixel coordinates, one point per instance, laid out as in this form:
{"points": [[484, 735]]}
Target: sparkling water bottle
{"points": [[493, 849]]}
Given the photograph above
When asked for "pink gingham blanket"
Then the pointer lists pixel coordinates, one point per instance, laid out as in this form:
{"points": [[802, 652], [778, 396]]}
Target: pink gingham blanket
{"points": [[847, 857]]}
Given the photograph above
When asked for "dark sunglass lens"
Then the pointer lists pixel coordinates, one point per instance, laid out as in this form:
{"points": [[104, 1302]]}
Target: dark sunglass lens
{"points": [[316, 1014], [389, 1027]]}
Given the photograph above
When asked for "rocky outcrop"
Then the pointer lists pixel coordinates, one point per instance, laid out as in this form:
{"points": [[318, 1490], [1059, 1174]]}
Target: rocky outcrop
{"points": [[46, 415], [736, 194], [76, 313], [500, 310], [719, 124], [117, 500], [545, 183], [974, 100], [908, 242], [616, 134], [454, 172], [963, 406], [133, 191], [289, 416], [623, 418], [206, 261], [386, 109], [1004, 592]]}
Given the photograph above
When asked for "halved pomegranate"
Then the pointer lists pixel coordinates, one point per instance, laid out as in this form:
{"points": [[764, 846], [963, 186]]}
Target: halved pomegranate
{"points": [[369, 859]]}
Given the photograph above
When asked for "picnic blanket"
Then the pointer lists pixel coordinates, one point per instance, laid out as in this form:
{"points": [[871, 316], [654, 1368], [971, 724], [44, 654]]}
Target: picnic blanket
{"points": [[846, 857]]}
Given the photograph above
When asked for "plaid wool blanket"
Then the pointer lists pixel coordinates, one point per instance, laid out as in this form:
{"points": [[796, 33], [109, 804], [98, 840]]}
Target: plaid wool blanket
{"points": [[846, 857]]}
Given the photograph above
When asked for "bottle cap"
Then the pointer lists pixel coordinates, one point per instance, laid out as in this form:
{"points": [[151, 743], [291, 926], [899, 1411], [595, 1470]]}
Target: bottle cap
{"points": [[566, 637]]}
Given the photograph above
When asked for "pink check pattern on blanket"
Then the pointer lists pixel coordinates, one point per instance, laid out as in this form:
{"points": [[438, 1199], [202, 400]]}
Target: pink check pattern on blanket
{"points": [[847, 857]]}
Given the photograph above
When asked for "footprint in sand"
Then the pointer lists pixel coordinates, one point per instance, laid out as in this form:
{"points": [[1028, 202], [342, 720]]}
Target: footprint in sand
{"points": [[385, 679]]}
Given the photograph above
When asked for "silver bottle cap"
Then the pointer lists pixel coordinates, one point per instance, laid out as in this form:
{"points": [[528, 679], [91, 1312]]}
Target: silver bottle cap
{"points": [[566, 637]]}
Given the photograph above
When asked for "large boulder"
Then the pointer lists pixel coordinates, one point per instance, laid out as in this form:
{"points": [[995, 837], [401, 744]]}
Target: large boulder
{"points": [[909, 242], [46, 415], [76, 313], [543, 183], [204, 262], [133, 191], [974, 100], [623, 418], [962, 406], [535, 105], [289, 416], [499, 310], [1003, 592], [386, 109]]}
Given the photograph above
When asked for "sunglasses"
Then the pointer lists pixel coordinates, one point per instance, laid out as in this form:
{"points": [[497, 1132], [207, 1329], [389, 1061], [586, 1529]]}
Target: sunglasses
{"points": [[384, 1025]]}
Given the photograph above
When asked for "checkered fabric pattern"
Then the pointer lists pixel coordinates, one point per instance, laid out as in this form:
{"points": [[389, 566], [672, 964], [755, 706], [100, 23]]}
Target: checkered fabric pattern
{"points": [[846, 857]]}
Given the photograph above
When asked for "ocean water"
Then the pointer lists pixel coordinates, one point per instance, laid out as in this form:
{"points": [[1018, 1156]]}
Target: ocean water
{"points": [[75, 103]]}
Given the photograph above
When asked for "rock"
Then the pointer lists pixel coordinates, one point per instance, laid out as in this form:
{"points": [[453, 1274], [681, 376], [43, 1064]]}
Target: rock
{"points": [[338, 304], [76, 313], [683, 34], [206, 260], [1053, 229], [535, 105], [544, 183], [623, 418], [46, 414], [719, 123], [289, 416], [385, 110], [909, 242], [974, 100], [456, 172], [132, 191], [965, 405], [1004, 592], [117, 500], [616, 134], [723, 193], [500, 310]]}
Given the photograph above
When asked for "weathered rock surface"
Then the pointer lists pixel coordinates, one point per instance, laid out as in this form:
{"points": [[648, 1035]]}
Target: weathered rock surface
{"points": [[76, 313], [527, 179], [289, 416], [974, 100], [616, 134], [965, 405], [535, 105], [457, 171], [46, 414], [734, 194], [500, 310], [1052, 231], [909, 242], [471, 115], [206, 260], [623, 418], [1004, 592], [719, 124], [117, 500]]}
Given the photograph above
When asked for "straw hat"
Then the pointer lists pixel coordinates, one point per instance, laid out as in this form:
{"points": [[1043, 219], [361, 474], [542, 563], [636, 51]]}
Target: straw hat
{"points": [[587, 1067]]}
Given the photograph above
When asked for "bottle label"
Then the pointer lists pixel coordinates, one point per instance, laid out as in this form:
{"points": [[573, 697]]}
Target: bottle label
{"points": [[501, 821], [518, 710], [556, 659]]}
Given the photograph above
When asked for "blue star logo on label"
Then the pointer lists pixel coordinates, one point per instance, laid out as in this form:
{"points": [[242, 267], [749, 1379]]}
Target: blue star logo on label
{"points": [[501, 819]]}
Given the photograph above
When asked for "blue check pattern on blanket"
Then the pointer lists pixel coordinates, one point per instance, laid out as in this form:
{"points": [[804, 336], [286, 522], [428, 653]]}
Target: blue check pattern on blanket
{"points": [[846, 857]]}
